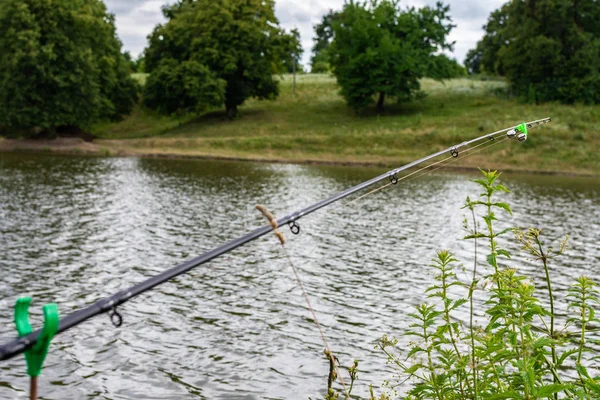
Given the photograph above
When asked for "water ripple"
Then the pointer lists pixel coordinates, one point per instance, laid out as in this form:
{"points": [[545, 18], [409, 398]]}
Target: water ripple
{"points": [[77, 229]]}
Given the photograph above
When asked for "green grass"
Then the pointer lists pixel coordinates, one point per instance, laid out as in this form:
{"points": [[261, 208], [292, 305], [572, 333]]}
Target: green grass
{"points": [[316, 125]]}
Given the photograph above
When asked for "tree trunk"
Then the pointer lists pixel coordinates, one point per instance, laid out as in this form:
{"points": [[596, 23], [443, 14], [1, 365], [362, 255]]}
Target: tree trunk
{"points": [[380, 101], [294, 71], [231, 111]]}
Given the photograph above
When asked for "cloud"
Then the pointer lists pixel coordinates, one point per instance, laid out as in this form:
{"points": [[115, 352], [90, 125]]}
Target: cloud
{"points": [[136, 19]]}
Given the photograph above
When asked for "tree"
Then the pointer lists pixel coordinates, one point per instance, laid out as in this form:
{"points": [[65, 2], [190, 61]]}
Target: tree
{"points": [[140, 64], [550, 49], [319, 62], [443, 67], [379, 49], [186, 87], [484, 58], [136, 65], [291, 51], [129, 61], [61, 66], [238, 40]]}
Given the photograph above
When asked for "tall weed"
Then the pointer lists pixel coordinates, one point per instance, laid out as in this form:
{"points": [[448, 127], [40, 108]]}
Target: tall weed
{"points": [[514, 347]]}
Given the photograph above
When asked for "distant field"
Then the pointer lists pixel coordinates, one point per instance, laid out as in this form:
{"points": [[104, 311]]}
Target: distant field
{"points": [[316, 125]]}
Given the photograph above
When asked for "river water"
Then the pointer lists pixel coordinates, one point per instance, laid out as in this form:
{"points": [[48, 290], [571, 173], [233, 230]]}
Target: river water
{"points": [[73, 230]]}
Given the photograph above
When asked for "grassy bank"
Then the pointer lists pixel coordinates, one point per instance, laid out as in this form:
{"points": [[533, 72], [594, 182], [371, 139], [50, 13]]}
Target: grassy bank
{"points": [[316, 125]]}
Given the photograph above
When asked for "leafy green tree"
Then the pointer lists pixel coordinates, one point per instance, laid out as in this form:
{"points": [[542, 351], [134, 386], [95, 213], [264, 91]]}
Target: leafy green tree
{"points": [[130, 61], [136, 65], [186, 87], [443, 67], [319, 62], [291, 51], [61, 66], [484, 58], [379, 49], [240, 41], [550, 49], [139, 65]]}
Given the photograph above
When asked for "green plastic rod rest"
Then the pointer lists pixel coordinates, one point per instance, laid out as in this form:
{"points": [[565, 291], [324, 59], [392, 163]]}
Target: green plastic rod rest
{"points": [[522, 128], [37, 354]]}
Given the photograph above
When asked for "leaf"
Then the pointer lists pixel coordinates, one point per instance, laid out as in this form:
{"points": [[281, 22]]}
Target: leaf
{"points": [[503, 252], [582, 370], [502, 232], [475, 236], [480, 182], [593, 386], [415, 350], [413, 333], [564, 356], [541, 342], [458, 303], [547, 390], [491, 259], [412, 369], [502, 188], [504, 206]]}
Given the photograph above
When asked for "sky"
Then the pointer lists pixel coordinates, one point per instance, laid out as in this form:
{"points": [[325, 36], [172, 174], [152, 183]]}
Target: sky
{"points": [[137, 18]]}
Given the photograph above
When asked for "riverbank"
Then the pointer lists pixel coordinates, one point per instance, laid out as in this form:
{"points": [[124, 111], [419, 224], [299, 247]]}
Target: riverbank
{"points": [[315, 126], [78, 147]]}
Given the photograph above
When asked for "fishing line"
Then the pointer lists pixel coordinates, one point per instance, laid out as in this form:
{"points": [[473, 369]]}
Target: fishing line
{"points": [[496, 142], [273, 222], [452, 158], [396, 181], [330, 355]]}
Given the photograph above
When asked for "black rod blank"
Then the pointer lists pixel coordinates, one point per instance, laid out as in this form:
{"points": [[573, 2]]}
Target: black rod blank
{"points": [[108, 304]]}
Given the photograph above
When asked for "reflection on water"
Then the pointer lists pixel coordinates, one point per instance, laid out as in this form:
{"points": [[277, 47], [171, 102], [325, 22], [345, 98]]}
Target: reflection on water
{"points": [[76, 229]]}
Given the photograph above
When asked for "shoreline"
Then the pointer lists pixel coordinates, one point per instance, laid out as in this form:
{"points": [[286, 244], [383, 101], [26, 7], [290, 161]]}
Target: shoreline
{"points": [[78, 147]]}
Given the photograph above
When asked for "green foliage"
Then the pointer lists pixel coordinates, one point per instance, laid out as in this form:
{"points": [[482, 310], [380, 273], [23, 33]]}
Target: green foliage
{"points": [[138, 66], [516, 352], [484, 58], [187, 87], [291, 51], [135, 66], [238, 40], [61, 66], [379, 49], [548, 49], [320, 67], [319, 62], [444, 67]]}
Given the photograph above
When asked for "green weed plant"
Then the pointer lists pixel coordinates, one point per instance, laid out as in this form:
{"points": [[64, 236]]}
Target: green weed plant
{"points": [[517, 351]]}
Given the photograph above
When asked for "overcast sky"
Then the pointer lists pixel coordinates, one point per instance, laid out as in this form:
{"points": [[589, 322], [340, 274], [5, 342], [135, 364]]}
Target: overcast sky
{"points": [[137, 18]]}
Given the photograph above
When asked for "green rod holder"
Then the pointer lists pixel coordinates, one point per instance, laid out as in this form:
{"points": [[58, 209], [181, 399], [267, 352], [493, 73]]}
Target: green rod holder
{"points": [[37, 354]]}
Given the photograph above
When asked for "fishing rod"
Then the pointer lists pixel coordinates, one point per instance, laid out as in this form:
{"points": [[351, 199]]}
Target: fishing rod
{"points": [[110, 304]]}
